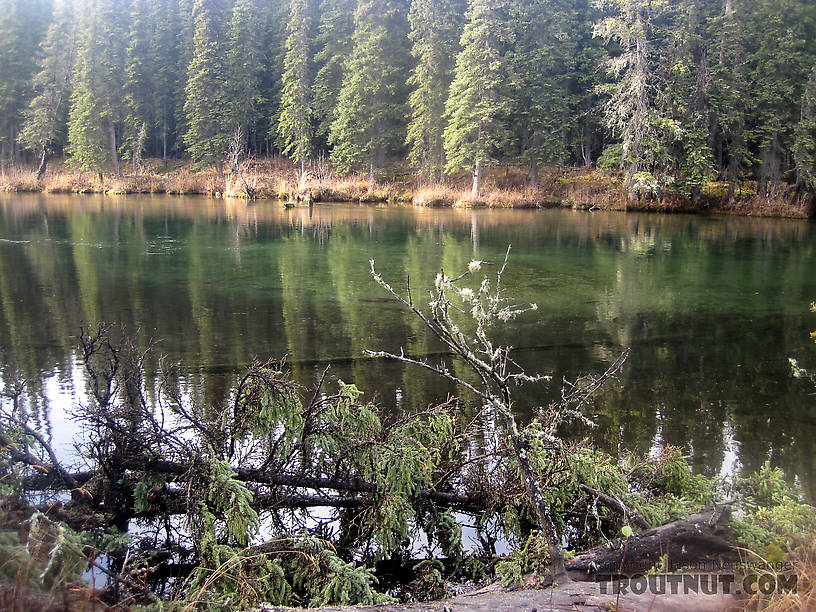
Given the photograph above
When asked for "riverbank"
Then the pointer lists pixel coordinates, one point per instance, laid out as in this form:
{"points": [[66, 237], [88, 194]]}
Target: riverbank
{"points": [[504, 187]]}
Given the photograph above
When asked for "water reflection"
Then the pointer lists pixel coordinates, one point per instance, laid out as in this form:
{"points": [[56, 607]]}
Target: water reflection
{"points": [[712, 308]]}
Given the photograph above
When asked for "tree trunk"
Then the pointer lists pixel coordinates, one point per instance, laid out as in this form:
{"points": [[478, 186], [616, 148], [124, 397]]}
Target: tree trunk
{"points": [[477, 180], [219, 170], [521, 448], [586, 147], [114, 154], [164, 137], [533, 175], [43, 164], [684, 542]]}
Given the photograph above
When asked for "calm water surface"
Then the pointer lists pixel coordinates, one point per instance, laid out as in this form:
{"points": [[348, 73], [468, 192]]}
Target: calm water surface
{"points": [[713, 309]]}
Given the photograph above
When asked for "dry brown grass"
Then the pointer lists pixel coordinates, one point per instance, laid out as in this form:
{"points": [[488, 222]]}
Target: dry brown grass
{"points": [[60, 183], [803, 597], [355, 188], [19, 180], [795, 207], [186, 182], [438, 194], [503, 187]]}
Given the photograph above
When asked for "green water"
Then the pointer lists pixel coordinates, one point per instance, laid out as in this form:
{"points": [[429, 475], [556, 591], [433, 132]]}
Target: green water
{"points": [[712, 308]]}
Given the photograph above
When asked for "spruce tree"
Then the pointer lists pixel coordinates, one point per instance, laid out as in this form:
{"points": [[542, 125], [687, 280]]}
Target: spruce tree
{"points": [[275, 21], [185, 46], [139, 90], [294, 127], [97, 102], [370, 116], [88, 145], [542, 65], [435, 31], [729, 92], [246, 64], [685, 100], [586, 138], [333, 46], [782, 53], [478, 104], [804, 150], [45, 117], [23, 24], [166, 75], [630, 109], [207, 107]]}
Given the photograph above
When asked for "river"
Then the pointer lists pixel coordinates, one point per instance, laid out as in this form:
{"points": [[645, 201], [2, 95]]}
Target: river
{"points": [[712, 308]]}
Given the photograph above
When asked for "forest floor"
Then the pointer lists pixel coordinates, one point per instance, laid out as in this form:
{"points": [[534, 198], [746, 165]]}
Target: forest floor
{"points": [[504, 187]]}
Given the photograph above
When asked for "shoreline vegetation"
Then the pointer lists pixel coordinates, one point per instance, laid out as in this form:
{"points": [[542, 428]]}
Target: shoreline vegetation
{"points": [[504, 187]]}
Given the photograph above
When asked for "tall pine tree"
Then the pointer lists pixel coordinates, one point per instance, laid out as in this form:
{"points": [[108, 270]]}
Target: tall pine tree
{"points": [[542, 64], [630, 109], [139, 89], [684, 98], [185, 47], [97, 101], [207, 107], [333, 46], [729, 92], [46, 117], [478, 104], [295, 121], [167, 78], [435, 32], [246, 65], [804, 151], [587, 135], [781, 54], [369, 122], [23, 24]]}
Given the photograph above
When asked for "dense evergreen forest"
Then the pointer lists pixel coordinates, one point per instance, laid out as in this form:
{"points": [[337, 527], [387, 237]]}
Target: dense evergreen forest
{"points": [[675, 93]]}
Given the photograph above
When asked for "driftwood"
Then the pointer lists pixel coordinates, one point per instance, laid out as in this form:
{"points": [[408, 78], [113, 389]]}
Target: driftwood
{"points": [[702, 537]]}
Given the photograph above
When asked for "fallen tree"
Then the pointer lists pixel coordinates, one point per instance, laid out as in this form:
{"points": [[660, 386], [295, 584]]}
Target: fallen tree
{"points": [[704, 536]]}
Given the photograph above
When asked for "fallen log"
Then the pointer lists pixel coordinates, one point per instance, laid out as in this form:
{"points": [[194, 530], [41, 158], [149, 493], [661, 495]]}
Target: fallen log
{"points": [[700, 538], [52, 478]]}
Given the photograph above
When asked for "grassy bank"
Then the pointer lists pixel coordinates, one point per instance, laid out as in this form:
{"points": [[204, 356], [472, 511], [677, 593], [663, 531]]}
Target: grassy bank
{"points": [[504, 187]]}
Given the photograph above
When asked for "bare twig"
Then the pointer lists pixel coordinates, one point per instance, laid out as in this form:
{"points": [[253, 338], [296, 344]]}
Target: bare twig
{"points": [[615, 504]]}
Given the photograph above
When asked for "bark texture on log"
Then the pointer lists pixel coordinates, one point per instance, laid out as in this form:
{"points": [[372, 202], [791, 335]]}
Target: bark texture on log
{"points": [[704, 536]]}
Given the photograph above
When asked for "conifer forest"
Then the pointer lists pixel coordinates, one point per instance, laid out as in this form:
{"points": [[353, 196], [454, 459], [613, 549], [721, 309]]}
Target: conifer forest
{"points": [[673, 94]]}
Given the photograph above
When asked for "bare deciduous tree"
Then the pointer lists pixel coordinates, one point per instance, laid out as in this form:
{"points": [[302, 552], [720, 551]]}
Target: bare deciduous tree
{"points": [[462, 317]]}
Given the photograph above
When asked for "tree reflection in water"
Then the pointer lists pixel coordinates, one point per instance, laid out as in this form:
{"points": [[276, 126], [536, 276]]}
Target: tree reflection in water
{"points": [[712, 308]]}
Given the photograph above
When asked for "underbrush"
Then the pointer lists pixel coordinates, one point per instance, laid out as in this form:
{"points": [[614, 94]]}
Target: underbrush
{"points": [[44, 559], [503, 187]]}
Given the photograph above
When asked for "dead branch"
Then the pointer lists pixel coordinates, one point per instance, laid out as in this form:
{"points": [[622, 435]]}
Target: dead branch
{"points": [[615, 504]]}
